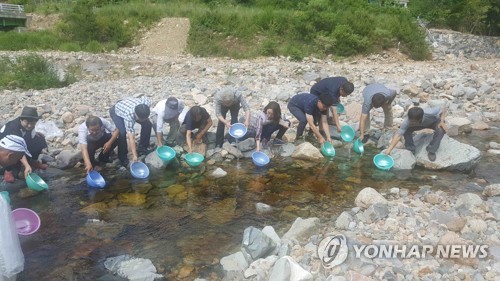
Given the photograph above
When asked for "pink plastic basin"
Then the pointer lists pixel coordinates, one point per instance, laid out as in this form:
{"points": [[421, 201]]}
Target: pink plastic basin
{"points": [[26, 220]]}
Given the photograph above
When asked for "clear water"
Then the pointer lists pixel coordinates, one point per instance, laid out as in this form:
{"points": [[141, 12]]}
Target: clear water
{"points": [[185, 218]]}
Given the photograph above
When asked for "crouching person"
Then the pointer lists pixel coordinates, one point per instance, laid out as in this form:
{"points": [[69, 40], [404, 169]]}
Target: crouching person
{"points": [[196, 118], [418, 119], [93, 134]]}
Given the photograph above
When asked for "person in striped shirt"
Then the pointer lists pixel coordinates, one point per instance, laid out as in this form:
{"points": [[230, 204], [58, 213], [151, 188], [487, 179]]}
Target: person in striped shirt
{"points": [[125, 113]]}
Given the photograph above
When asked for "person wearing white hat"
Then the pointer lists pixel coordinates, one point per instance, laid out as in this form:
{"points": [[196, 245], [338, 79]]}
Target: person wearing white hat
{"points": [[12, 150], [167, 111]]}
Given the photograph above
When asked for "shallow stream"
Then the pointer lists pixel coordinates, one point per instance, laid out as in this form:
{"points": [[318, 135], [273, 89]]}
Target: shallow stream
{"points": [[182, 218]]}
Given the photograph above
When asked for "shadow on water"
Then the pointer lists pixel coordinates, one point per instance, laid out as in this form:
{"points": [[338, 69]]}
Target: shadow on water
{"points": [[181, 216]]}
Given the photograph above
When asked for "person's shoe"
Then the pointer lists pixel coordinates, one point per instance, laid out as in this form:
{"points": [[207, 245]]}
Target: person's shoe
{"points": [[8, 177], [278, 142], [37, 165], [217, 150], [365, 138], [431, 156]]}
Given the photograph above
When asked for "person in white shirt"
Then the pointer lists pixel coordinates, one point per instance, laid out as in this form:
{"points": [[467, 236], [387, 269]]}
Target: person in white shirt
{"points": [[167, 111], [93, 134]]}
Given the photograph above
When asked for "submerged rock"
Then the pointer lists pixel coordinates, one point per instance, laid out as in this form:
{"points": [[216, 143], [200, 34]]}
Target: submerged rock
{"points": [[132, 268], [307, 151]]}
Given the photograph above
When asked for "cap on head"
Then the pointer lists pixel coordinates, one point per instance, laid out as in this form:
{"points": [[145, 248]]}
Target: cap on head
{"points": [[29, 113], [172, 103]]}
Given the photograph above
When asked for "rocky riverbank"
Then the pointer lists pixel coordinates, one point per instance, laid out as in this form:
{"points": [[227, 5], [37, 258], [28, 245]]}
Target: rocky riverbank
{"points": [[467, 87], [427, 219]]}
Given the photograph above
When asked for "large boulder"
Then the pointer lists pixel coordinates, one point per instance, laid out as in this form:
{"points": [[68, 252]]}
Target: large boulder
{"points": [[403, 159], [256, 243], [367, 197], [302, 229], [153, 161], [68, 158], [286, 269], [451, 155], [458, 125], [307, 151]]}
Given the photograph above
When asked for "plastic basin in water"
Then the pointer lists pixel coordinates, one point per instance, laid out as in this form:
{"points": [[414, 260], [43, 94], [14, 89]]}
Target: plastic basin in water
{"points": [[237, 130], [166, 153], [139, 170], [194, 159], [26, 220], [260, 158], [95, 180], [358, 146], [35, 182], [383, 162], [340, 108], [327, 149], [347, 133]]}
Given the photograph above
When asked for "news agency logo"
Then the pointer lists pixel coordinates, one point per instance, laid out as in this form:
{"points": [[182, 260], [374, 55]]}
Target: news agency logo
{"points": [[333, 250]]}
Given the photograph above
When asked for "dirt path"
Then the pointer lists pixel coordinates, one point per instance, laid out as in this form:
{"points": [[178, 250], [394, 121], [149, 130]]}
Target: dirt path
{"points": [[168, 38]]}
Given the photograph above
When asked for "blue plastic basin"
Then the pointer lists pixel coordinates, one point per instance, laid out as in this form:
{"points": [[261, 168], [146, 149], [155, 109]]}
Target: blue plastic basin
{"points": [[260, 158], [237, 130], [139, 170], [95, 180]]}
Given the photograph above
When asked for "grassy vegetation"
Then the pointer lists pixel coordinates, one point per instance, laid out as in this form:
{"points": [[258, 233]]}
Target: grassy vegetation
{"points": [[30, 72], [234, 28]]}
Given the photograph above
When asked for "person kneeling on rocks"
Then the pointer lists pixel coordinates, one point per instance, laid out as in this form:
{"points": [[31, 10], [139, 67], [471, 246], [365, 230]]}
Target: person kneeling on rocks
{"points": [[196, 118], [263, 124], [418, 119], [167, 111], [24, 127], [93, 134]]}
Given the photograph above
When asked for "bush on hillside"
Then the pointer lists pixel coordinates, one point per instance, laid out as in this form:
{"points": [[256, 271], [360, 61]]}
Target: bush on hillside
{"points": [[31, 72]]}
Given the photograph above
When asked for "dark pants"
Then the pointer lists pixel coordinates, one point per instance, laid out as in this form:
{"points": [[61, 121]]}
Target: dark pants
{"points": [[219, 134], [122, 137], [301, 116], [433, 145], [92, 146], [269, 129], [35, 146]]}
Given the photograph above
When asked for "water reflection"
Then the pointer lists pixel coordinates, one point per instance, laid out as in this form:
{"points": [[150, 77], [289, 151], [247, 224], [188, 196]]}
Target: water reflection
{"points": [[183, 217]]}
